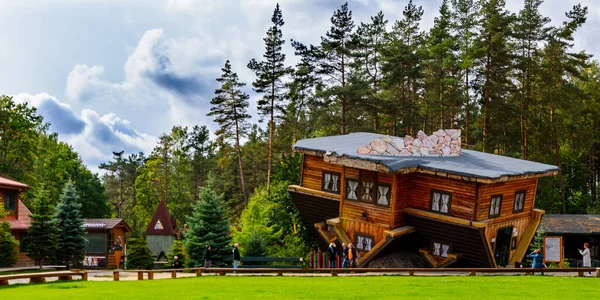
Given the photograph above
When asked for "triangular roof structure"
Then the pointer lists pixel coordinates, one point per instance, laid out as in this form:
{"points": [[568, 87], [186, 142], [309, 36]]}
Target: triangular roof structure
{"points": [[5, 182], [22, 222], [162, 223], [105, 223]]}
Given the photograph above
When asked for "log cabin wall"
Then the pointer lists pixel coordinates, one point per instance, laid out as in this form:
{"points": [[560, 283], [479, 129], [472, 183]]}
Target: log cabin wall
{"points": [[508, 190], [312, 171], [353, 227], [519, 227], [418, 196], [402, 188]]}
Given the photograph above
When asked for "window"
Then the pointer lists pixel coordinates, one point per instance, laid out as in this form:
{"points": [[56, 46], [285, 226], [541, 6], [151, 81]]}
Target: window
{"points": [[331, 182], [364, 242], [352, 189], [519, 201], [95, 243], [10, 201], [513, 243], [440, 201], [367, 185], [495, 205], [383, 194], [440, 249]]}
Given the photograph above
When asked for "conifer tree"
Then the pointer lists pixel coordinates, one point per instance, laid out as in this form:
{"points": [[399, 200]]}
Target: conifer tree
{"points": [[71, 241], [176, 250], [230, 106], [270, 73], [138, 254], [8, 250], [208, 226], [256, 245], [43, 233]]}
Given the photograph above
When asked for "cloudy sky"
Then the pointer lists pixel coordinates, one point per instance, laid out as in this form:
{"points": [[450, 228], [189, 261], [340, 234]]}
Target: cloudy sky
{"points": [[113, 75]]}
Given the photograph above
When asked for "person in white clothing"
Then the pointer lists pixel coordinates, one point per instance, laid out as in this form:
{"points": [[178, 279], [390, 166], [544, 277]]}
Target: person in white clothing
{"points": [[587, 260]]}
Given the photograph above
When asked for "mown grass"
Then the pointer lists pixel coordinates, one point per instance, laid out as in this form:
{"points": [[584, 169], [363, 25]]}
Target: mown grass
{"points": [[371, 287]]}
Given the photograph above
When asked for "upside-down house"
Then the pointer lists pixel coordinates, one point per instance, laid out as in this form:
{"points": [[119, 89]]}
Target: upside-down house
{"points": [[423, 195]]}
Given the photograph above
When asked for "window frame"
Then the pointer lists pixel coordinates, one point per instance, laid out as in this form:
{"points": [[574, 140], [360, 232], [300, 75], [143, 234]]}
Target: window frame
{"points": [[432, 248], [338, 174], [356, 235], [6, 198], [372, 175], [490, 215], [389, 193], [433, 191], [513, 242], [524, 192], [357, 189]]}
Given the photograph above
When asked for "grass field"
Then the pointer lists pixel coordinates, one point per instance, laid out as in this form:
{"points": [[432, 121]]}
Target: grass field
{"points": [[371, 287]]}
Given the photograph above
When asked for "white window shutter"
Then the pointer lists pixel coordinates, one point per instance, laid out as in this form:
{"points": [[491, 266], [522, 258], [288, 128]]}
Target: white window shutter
{"points": [[445, 203]]}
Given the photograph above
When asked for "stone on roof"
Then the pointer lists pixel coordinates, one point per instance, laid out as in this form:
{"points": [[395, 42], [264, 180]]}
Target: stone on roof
{"points": [[470, 163], [571, 224]]}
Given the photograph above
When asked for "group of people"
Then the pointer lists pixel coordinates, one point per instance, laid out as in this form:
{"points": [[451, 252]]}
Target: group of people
{"points": [[349, 255], [208, 258], [538, 258]]}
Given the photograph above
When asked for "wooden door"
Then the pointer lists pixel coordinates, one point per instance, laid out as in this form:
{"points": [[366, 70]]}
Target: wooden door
{"points": [[502, 252]]}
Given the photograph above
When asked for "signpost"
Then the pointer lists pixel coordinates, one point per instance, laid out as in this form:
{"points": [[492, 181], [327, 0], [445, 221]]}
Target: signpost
{"points": [[553, 249]]}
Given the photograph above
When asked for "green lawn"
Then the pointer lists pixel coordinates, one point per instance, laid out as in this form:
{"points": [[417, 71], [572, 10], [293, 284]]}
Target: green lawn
{"points": [[372, 287]]}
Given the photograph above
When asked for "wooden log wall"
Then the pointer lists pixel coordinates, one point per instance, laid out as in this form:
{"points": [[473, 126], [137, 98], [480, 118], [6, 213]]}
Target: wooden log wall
{"points": [[312, 171], [352, 227], [508, 191], [419, 194], [402, 188], [519, 224]]}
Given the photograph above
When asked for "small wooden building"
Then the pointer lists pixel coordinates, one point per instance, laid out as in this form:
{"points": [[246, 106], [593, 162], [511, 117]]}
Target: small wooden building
{"points": [[161, 231], [424, 195], [17, 216], [105, 238], [575, 231]]}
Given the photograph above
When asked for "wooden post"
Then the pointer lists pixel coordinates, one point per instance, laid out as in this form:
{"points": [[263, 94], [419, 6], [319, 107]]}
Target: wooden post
{"points": [[473, 272], [84, 276], [334, 273], [411, 273], [140, 275], [198, 272], [279, 273], [174, 274], [580, 274], [37, 280], [222, 273], [3, 282], [150, 275], [597, 272], [116, 275], [64, 278]]}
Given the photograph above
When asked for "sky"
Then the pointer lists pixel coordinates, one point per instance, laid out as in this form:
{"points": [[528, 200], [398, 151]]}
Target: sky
{"points": [[113, 75]]}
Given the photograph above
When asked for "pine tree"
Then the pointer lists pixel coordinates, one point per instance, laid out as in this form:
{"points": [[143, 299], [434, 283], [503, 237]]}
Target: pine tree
{"points": [[270, 73], [43, 233], [256, 245], [229, 109], [8, 250], [176, 250], [138, 254], [71, 241], [208, 226]]}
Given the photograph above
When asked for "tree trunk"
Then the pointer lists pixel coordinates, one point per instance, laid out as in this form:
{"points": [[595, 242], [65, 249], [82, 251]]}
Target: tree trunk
{"points": [[343, 99], [271, 135], [241, 165], [466, 146], [486, 104], [558, 162]]}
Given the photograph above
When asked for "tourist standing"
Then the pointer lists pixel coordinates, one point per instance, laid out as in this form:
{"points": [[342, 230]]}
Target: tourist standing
{"points": [[585, 253], [207, 257], [332, 253], [236, 256], [351, 256], [538, 260], [344, 256]]}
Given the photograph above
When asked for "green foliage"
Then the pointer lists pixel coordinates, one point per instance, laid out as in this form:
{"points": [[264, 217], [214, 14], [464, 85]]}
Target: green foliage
{"points": [[208, 226], [138, 254], [43, 233], [71, 241], [176, 250], [288, 169], [255, 246], [8, 250]]}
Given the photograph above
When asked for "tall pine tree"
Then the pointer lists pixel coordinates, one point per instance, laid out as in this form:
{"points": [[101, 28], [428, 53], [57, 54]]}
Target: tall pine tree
{"points": [[270, 73], [43, 233], [230, 106], [71, 241], [208, 226]]}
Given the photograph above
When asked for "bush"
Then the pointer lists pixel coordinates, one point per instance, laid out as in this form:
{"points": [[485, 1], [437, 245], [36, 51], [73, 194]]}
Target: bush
{"points": [[256, 245], [138, 254], [8, 250]]}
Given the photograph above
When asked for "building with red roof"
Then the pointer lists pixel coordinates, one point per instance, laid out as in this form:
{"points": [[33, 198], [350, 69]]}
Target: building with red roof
{"points": [[17, 215], [161, 231]]}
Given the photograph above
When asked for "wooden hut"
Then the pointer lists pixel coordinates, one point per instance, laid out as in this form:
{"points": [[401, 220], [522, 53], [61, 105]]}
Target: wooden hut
{"points": [[425, 195], [106, 241], [161, 231], [575, 230], [17, 216]]}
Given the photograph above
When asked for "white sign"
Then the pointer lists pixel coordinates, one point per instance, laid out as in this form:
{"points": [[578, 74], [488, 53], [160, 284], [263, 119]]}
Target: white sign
{"points": [[552, 249]]}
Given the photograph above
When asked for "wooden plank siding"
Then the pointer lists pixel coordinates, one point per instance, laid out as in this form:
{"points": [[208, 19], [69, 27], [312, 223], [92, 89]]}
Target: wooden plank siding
{"points": [[508, 191], [352, 227], [401, 196], [419, 194], [519, 224], [312, 171]]}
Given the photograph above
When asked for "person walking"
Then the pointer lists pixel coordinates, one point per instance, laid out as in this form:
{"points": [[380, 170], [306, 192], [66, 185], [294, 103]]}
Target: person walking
{"points": [[585, 253], [236, 256], [344, 256], [538, 260], [351, 256], [207, 257], [332, 254]]}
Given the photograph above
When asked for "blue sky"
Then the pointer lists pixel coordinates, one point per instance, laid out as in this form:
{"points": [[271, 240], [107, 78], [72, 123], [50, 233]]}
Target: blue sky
{"points": [[113, 75]]}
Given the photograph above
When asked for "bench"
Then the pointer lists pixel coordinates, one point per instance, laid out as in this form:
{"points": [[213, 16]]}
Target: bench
{"points": [[264, 262], [41, 277], [150, 273]]}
